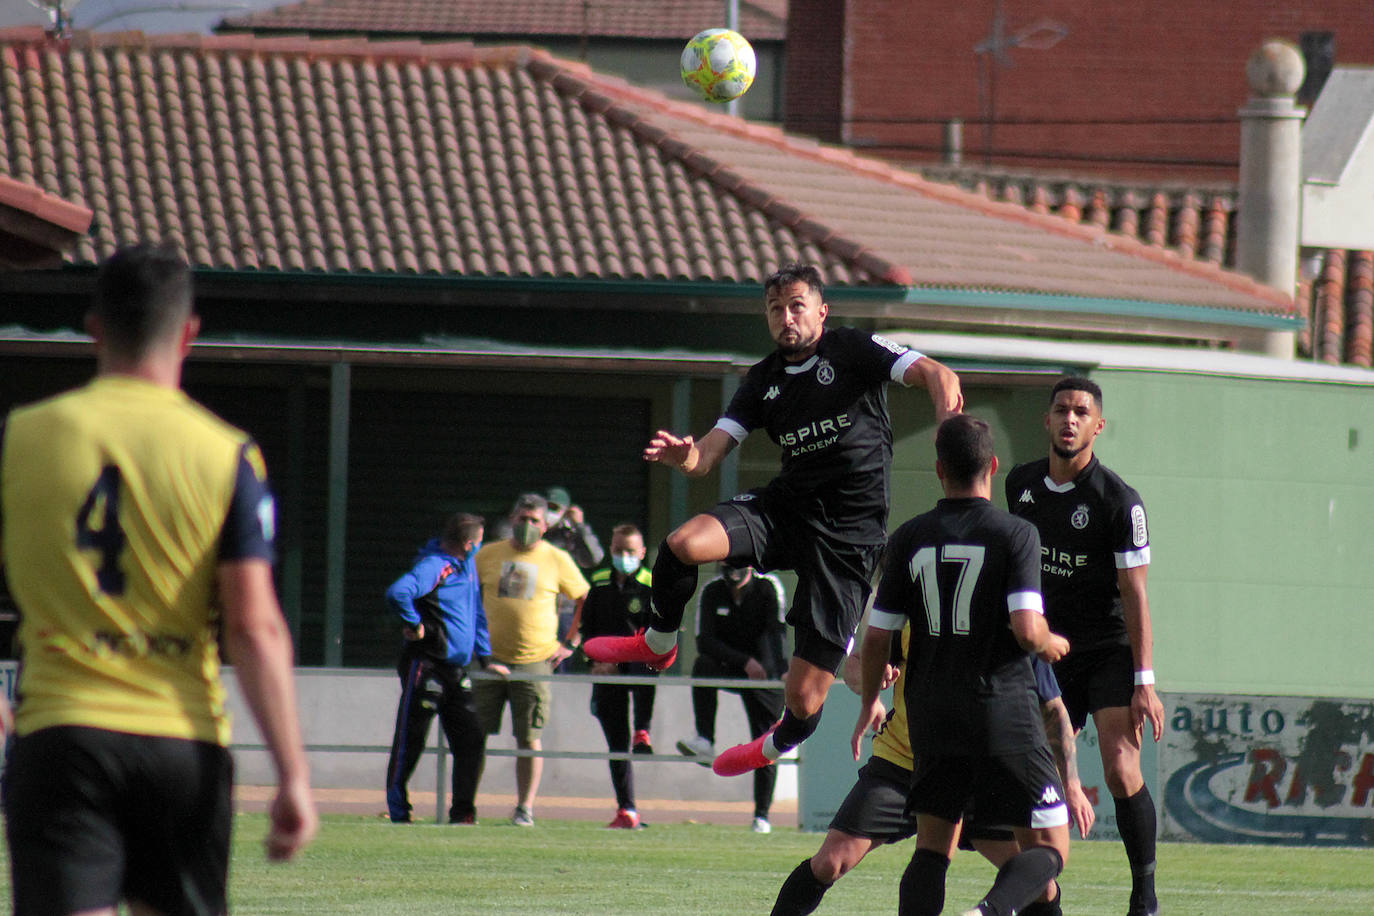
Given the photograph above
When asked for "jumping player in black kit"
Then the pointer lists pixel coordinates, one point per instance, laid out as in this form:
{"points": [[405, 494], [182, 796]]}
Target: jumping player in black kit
{"points": [[961, 573], [1095, 553], [822, 397]]}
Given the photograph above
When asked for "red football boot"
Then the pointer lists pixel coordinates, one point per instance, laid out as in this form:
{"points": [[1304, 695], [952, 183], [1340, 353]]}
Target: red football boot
{"points": [[622, 649], [743, 758], [625, 819]]}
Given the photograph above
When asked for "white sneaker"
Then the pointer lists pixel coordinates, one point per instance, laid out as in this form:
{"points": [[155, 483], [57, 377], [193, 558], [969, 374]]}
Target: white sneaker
{"points": [[698, 747], [761, 825]]}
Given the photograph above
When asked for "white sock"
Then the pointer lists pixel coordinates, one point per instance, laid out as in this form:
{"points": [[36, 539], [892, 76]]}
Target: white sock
{"points": [[660, 642], [770, 750]]}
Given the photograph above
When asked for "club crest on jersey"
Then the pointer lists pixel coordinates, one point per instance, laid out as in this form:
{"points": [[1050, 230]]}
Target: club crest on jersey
{"points": [[773, 392], [1026, 497], [825, 373], [1079, 519]]}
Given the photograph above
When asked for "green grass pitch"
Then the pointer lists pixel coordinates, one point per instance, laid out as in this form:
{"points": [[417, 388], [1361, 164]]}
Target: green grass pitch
{"points": [[367, 865]]}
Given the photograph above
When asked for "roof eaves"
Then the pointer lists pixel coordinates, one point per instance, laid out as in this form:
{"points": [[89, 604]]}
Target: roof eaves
{"points": [[489, 283], [296, 43], [44, 207], [1126, 308]]}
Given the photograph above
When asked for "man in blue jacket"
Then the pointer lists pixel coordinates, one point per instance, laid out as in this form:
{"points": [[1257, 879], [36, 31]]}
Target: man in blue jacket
{"points": [[440, 604]]}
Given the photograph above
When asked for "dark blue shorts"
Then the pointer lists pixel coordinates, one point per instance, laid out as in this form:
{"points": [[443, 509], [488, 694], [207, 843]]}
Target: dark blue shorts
{"points": [[94, 817]]}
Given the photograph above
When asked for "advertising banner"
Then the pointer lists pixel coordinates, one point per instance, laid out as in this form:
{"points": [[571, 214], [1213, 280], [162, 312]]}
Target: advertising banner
{"points": [[1231, 769], [1252, 769]]}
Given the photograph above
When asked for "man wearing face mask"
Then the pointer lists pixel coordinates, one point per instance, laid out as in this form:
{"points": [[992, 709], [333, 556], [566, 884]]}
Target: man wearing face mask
{"points": [[618, 605], [740, 630], [439, 602], [568, 529], [522, 577]]}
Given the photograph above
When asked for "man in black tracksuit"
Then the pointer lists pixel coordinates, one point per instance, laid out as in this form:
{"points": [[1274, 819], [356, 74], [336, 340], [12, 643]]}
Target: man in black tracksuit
{"points": [[618, 605], [740, 631]]}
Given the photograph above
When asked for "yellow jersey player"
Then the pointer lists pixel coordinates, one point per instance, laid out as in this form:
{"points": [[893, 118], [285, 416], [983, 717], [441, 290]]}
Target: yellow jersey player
{"points": [[136, 526]]}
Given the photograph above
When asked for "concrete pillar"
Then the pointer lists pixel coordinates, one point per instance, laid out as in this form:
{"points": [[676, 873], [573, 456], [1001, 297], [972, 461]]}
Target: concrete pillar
{"points": [[1271, 175], [954, 141]]}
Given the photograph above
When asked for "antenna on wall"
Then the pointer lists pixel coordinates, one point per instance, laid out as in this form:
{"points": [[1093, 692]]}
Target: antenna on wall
{"points": [[59, 14], [993, 56]]}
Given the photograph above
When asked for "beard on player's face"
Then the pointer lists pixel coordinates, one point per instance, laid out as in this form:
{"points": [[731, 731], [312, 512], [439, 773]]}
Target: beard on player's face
{"points": [[1068, 452], [794, 341]]}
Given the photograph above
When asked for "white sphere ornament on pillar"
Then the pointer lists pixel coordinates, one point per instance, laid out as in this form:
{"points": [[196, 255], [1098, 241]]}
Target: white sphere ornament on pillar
{"points": [[1275, 69]]}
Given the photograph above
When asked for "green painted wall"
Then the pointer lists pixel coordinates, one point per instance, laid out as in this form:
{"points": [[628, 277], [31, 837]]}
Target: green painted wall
{"points": [[1260, 500]]}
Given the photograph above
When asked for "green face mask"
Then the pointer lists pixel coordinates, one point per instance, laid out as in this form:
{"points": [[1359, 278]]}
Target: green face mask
{"points": [[526, 533]]}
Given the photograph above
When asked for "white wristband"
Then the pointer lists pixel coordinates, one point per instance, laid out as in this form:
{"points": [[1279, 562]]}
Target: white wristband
{"points": [[1144, 677]]}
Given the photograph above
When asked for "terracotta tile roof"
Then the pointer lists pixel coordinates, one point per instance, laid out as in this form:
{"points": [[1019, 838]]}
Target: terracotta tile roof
{"points": [[646, 19], [349, 156], [35, 226], [1335, 294]]}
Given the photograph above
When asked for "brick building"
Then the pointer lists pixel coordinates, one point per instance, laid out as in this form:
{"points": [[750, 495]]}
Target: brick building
{"points": [[1139, 90]]}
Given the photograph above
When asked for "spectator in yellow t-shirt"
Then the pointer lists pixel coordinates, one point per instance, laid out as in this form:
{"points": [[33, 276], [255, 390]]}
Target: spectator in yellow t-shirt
{"points": [[522, 577]]}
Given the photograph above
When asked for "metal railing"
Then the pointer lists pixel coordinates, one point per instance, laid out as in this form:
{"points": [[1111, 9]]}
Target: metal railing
{"points": [[440, 746]]}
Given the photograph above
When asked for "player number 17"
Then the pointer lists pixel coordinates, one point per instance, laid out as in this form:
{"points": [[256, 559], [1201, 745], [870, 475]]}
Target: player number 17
{"points": [[923, 567]]}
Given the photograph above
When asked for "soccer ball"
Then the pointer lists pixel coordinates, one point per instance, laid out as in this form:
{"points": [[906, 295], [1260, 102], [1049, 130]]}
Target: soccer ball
{"points": [[719, 64]]}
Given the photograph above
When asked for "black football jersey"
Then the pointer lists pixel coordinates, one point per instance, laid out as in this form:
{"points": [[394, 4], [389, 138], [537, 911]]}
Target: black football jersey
{"points": [[1089, 528], [957, 572], [829, 416]]}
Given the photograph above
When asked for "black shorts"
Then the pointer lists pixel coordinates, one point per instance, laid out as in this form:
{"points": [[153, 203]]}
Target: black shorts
{"points": [[834, 577], [94, 817], [876, 807], [1095, 679], [1006, 790]]}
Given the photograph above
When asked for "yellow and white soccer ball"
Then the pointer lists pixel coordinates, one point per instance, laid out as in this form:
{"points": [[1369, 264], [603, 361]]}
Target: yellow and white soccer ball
{"points": [[719, 64]]}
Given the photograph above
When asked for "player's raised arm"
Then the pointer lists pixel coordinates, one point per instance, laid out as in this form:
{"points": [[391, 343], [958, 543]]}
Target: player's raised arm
{"points": [[941, 381], [690, 456]]}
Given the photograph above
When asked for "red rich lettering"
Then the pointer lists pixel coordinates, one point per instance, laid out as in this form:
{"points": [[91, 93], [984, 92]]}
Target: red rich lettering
{"points": [[1268, 768], [1364, 780], [1297, 789]]}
